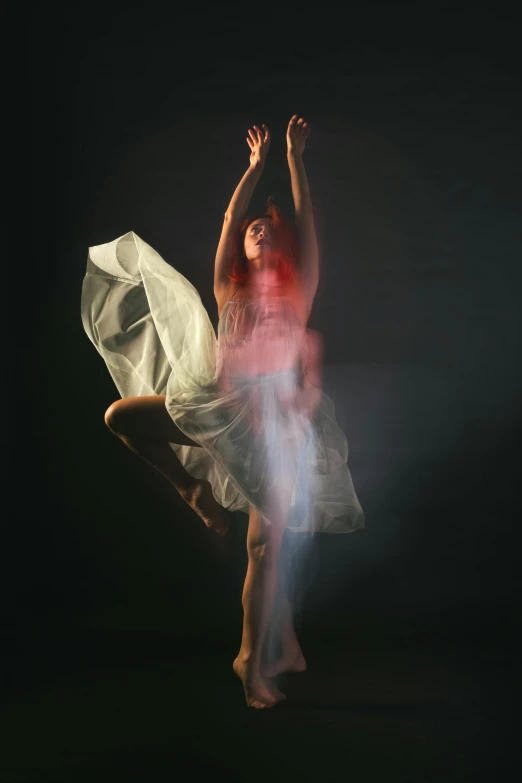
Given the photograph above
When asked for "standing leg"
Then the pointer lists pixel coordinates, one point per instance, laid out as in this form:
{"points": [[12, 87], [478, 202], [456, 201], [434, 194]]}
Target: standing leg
{"points": [[263, 545], [144, 426], [282, 626]]}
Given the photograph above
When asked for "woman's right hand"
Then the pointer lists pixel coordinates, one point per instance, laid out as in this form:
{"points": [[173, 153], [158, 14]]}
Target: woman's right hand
{"points": [[259, 141]]}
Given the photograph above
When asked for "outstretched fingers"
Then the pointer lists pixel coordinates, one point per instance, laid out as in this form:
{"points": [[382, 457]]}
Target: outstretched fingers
{"points": [[258, 136], [258, 140]]}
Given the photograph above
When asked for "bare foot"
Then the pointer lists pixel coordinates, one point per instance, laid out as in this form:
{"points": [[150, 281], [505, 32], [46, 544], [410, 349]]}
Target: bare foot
{"points": [[200, 498], [274, 690], [291, 661], [258, 693]]}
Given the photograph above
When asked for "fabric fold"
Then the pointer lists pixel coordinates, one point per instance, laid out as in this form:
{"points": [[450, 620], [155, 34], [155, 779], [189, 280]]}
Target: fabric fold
{"points": [[150, 327]]}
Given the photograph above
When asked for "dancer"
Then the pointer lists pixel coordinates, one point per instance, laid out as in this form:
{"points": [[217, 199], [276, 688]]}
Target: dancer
{"points": [[240, 422]]}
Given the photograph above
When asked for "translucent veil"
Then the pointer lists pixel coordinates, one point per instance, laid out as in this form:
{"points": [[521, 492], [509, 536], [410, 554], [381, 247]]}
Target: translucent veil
{"points": [[149, 325]]}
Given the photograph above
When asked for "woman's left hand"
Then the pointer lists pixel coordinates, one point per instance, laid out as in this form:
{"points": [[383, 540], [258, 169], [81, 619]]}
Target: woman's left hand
{"points": [[296, 136]]}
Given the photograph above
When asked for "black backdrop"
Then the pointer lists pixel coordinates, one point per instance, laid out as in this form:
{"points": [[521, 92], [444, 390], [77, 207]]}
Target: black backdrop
{"points": [[138, 122]]}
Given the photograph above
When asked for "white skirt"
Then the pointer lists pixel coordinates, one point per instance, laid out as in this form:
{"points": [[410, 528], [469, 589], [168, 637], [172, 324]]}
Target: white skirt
{"points": [[149, 325]]}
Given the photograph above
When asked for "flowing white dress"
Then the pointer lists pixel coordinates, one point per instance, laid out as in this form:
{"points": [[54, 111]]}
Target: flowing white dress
{"points": [[149, 325]]}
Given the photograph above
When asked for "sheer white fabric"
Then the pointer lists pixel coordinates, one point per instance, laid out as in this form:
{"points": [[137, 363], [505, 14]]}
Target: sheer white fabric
{"points": [[230, 395]]}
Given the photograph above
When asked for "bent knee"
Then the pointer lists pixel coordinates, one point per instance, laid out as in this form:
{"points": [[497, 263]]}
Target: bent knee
{"points": [[114, 417]]}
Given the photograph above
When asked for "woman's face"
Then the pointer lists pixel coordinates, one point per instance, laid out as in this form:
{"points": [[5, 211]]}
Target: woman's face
{"points": [[259, 242]]}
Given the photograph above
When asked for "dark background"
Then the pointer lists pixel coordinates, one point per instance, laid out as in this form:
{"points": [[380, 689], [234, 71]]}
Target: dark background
{"points": [[126, 611]]}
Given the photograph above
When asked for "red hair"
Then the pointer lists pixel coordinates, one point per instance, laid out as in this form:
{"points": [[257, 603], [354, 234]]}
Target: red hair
{"points": [[285, 244]]}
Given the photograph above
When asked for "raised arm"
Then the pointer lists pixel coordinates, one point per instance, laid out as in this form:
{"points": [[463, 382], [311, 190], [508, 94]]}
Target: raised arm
{"points": [[296, 136], [258, 141]]}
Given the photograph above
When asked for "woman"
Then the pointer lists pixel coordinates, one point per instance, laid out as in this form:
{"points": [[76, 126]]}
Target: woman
{"points": [[251, 399]]}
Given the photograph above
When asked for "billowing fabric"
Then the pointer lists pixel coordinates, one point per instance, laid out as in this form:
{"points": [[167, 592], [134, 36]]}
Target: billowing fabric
{"points": [[231, 394]]}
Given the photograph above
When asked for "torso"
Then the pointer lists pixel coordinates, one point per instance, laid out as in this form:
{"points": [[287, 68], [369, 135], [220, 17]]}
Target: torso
{"points": [[260, 334], [293, 292]]}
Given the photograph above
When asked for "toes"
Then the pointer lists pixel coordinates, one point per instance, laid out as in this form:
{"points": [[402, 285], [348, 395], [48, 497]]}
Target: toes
{"points": [[258, 704]]}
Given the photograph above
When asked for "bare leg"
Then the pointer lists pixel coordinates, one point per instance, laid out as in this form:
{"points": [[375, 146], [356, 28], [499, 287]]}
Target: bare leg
{"points": [[144, 425], [263, 544], [282, 623]]}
